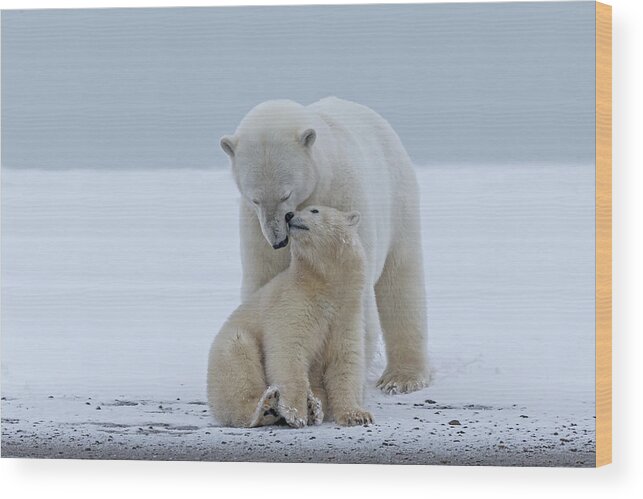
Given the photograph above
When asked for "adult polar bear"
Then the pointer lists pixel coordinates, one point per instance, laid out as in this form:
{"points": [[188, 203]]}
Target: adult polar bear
{"points": [[337, 153]]}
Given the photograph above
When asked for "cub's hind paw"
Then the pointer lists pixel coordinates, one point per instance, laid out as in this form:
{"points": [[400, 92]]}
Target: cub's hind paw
{"points": [[315, 410], [267, 412]]}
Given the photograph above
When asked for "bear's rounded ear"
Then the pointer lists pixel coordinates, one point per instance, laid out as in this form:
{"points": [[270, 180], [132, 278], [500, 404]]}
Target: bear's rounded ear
{"points": [[228, 144], [352, 218], [307, 137]]}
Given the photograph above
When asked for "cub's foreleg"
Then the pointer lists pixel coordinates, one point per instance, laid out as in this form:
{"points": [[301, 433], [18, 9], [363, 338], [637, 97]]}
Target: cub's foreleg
{"points": [[288, 350], [344, 375]]}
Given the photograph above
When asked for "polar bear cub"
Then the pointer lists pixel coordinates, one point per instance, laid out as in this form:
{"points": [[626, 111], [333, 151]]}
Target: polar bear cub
{"points": [[295, 348]]}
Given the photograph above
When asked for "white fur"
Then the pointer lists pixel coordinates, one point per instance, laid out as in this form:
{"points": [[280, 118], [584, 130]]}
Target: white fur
{"points": [[296, 346], [353, 161]]}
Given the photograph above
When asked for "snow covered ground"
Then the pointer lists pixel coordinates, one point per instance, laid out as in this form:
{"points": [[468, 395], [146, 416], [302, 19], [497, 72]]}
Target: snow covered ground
{"points": [[115, 282]]}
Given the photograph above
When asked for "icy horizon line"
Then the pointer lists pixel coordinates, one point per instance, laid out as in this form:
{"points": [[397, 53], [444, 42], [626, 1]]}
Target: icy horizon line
{"points": [[220, 168]]}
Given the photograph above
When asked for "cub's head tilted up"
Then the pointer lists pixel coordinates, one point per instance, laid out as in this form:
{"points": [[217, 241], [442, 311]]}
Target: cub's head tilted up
{"points": [[323, 234]]}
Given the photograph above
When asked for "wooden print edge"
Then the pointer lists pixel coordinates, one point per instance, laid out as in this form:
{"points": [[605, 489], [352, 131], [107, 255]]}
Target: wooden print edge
{"points": [[603, 234]]}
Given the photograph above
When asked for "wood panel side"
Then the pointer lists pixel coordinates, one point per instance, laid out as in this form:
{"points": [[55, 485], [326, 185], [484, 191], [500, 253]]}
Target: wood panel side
{"points": [[603, 234]]}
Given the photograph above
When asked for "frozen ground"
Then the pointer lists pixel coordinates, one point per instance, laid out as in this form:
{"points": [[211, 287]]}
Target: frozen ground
{"points": [[114, 283], [408, 430]]}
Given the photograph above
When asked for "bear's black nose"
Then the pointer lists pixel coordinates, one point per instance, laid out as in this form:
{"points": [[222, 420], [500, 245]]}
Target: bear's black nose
{"points": [[281, 244], [289, 216]]}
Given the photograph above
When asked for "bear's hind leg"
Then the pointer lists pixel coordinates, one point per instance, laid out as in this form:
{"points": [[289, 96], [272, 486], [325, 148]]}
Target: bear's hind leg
{"points": [[401, 304], [236, 379], [373, 328]]}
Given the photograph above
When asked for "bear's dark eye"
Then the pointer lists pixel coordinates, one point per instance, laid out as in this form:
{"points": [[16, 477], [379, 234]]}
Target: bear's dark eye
{"points": [[314, 211]]}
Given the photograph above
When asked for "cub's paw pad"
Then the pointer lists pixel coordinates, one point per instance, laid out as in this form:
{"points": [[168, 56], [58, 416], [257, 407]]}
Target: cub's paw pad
{"points": [[291, 416], [402, 382], [267, 412], [315, 411], [354, 418]]}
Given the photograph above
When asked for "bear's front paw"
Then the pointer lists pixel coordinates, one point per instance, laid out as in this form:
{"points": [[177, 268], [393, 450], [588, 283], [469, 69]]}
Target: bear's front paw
{"points": [[393, 382], [315, 411], [354, 417]]}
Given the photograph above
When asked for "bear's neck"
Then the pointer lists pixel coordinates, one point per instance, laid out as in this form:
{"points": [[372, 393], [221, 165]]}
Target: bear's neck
{"points": [[340, 270]]}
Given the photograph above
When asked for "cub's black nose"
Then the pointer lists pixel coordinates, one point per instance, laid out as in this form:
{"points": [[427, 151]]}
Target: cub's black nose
{"points": [[289, 216]]}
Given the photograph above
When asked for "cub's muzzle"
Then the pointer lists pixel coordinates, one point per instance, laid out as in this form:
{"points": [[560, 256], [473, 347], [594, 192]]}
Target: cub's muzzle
{"points": [[296, 223]]}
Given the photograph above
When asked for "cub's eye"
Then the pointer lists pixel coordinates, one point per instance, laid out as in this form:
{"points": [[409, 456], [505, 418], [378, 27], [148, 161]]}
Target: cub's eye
{"points": [[286, 197], [254, 201], [314, 211]]}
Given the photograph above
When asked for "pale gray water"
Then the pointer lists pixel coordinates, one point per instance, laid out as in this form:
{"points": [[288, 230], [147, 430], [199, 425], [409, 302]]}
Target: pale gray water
{"points": [[145, 88], [116, 282]]}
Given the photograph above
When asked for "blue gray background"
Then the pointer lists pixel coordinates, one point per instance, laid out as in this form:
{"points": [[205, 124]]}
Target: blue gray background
{"points": [[498, 83]]}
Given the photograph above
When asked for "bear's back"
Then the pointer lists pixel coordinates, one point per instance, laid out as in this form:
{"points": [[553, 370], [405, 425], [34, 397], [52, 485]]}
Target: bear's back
{"points": [[345, 113]]}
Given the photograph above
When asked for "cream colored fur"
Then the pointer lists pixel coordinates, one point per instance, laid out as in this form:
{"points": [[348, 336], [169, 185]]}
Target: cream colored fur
{"points": [[337, 153], [295, 348]]}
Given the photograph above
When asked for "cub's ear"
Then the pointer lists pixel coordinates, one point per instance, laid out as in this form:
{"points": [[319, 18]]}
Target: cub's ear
{"points": [[352, 218], [228, 144], [307, 137]]}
